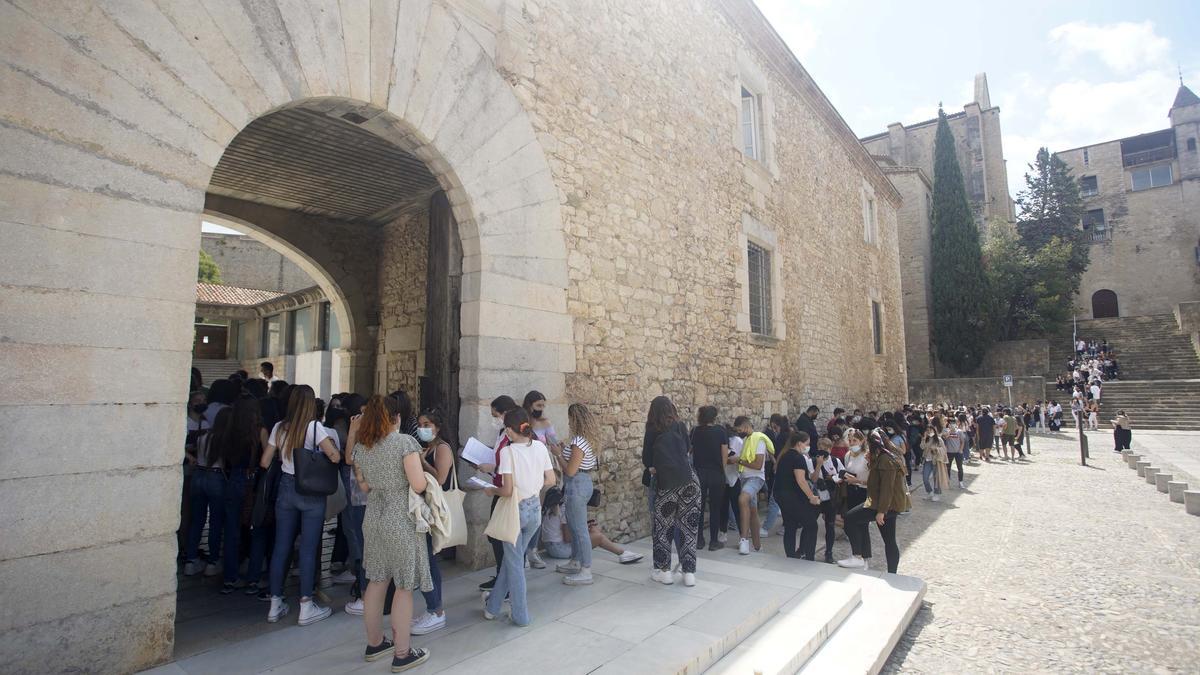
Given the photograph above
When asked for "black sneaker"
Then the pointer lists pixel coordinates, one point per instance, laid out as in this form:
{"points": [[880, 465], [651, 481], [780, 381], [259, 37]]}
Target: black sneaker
{"points": [[488, 585], [715, 546], [829, 559], [227, 588], [264, 595], [416, 656], [379, 650]]}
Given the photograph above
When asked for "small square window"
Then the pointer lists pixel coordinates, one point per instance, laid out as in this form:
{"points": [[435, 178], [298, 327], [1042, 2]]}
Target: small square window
{"points": [[752, 136], [877, 326], [758, 263], [1088, 186]]}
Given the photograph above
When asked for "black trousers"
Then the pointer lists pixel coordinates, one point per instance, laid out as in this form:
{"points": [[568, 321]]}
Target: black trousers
{"points": [[798, 514], [858, 520], [731, 499], [1122, 438], [828, 510], [497, 545], [712, 495], [955, 458]]}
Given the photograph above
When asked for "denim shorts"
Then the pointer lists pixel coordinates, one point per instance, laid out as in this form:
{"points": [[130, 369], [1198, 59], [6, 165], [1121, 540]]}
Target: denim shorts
{"points": [[753, 485]]}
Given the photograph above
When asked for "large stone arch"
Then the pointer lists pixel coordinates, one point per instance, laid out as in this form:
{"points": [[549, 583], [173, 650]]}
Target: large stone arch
{"points": [[115, 115]]}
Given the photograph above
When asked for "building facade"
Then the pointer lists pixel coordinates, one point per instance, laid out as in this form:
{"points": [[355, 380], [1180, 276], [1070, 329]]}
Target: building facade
{"points": [[601, 201], [905, 153], [248, 263], [1142, 211]]}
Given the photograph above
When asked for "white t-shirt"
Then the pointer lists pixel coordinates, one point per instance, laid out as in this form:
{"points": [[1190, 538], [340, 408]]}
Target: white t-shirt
{"points": [[530, 461], [1096, 391], [552, 526], [857, 465], [588, 463], [313, 435], [761, 472], [731, 470]]}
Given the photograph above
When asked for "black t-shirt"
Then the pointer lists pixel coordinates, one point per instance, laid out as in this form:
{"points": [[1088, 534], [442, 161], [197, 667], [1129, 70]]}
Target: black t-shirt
{"points": [[785, 473], [987, 425], [706, 447]]}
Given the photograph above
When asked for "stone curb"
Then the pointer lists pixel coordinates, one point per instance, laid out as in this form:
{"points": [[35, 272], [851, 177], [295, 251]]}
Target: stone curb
{"points": [[1176, 489]]}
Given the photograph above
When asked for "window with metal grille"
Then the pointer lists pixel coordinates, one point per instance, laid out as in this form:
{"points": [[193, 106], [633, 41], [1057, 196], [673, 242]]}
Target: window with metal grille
{"points": [[1089, 186], [758, 261], [877, 326]]}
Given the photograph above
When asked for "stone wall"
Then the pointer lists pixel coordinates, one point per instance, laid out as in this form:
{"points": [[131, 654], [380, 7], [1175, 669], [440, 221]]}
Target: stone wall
{"points": [[976, 390], [913, 229], [654, 193], [1187, 316], [249, 263], [402, 262], [1010, 357]]}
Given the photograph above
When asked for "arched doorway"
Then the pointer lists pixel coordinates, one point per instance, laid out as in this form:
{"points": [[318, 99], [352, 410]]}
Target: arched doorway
{"points": [[1104, 304]]}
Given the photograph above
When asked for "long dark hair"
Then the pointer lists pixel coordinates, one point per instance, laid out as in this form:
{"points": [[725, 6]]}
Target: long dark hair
{"points": [[407, 418], [532, 397], [662, 415], [210, 449], [438, 418], [518, 420], [240, 444]]}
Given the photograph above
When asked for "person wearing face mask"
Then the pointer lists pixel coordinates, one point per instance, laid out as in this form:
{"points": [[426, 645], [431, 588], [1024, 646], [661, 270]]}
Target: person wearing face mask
{"points": [[436, 459], [857, 469], [886, 499], [543, 429], [500, 407], [933, 459]]}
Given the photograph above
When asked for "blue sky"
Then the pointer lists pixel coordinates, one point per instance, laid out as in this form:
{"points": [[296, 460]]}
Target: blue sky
{"points": [[1064, 74]]}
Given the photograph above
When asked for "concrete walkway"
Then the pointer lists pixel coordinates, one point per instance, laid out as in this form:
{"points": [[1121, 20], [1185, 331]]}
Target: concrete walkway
{"points": [[1049, 566]]}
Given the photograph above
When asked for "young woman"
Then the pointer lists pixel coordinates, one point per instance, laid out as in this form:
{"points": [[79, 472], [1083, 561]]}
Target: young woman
{"points": [[208, 497], [886, 498], [578, 462], [387, 465], [524, 469], [710, 447], [934, 461], [779, 430], [436, 459], [857, 469], [798, 503], [298, 432], [340, 418], [677, 492], [556, 539], [240, 449], [828, 476], [1094, 415], [500, 407], [840, 446], [408, 417], [751, 462], [543, 429]]}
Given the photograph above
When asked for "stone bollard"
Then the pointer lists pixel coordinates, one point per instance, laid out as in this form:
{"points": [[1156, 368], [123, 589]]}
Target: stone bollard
{"points": [[1132, 459], [1191, 502], [1151, 472], [1161, 480], [1141, 467], [1125, 455], [1176, 488]]}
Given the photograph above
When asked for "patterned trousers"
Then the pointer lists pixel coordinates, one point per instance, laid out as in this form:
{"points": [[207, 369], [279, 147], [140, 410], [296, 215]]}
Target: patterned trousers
{"points": [[677, 511]]}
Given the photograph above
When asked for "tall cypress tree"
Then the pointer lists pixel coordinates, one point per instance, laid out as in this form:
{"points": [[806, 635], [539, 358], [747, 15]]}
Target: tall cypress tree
{"points": [[960, 290], [1051, 206]]}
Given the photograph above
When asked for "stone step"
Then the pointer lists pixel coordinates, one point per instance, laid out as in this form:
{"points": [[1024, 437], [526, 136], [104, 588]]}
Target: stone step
{"points": [[216, 369]]}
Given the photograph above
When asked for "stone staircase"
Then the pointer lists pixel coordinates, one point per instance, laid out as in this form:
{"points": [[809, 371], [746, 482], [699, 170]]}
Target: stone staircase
{"points": [[216, 369], [1160, 373]]}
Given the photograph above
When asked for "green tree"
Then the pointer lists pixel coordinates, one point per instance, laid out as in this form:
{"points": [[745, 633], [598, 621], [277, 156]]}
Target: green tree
{"points": [[1031, 292], [960, 291], [208, 270], [1051, 207]]}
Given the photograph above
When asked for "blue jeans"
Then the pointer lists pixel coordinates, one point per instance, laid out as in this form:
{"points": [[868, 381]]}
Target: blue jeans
{"points": [[773, 513], [296, 511], [260, 541], [927, 470], [208, 499], [511, 581], [577, 490], [352, 527], [433, 599], [234, 499]]}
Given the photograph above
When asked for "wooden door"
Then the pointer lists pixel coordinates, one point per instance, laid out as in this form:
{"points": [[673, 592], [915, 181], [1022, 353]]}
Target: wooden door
{"points": [[443, 295], [1104, 305], [210, 341]]}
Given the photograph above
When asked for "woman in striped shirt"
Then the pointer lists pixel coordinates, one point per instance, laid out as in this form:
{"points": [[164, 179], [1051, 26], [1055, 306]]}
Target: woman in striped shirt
{"points": [[578, 461]]}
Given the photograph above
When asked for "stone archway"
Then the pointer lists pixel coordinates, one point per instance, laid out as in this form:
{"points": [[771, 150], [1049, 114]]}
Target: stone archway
{"points": [[116, 114]]}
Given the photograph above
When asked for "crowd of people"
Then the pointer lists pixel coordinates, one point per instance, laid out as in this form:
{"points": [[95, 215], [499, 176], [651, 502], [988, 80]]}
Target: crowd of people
{"points": [[1094, 364], [250, 441]]}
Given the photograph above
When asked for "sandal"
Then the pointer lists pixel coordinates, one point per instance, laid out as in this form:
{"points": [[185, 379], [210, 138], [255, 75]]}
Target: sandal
{"points": [[415, 657]]}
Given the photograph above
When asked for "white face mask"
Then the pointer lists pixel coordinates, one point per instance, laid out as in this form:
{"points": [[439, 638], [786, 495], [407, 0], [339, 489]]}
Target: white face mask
{"points": [[497, 423], [425, 434], [855, 448]]}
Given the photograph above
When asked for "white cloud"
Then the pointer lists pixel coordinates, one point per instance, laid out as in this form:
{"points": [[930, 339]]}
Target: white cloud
{"points": [[1125, 47]]}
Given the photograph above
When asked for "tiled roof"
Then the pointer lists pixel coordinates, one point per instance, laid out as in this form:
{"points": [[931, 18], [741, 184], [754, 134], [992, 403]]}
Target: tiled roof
{"points": [[216, 294]]}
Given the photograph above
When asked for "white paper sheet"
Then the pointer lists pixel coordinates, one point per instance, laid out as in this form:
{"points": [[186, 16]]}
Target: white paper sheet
{"points": [[477, 483], [477, 453]]}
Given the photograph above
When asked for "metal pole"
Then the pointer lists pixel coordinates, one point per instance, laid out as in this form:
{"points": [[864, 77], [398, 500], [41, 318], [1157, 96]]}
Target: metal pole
{"points": [[1083, 442]]}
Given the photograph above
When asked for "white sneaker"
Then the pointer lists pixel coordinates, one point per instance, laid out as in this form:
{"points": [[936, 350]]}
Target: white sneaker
{"points": [[852, 563], [928, 496], [279, 609], [629, 557], [346, 577], [212, 570], [689, 578], [663, 577], [536, 562], [355, 607], [937, 497], [744, 547], [721, 538], [192, 568], [961, 486], [762, 532], [311, 612], [582, 578], [569, 567], [427, 623]]}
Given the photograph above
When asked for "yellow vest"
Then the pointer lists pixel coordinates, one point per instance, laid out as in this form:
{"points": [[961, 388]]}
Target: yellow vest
{"points": [[751, 445]]}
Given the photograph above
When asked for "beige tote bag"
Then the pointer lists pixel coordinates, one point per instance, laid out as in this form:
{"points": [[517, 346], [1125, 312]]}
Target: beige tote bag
{"points": [[505, 523], [458, 516]]}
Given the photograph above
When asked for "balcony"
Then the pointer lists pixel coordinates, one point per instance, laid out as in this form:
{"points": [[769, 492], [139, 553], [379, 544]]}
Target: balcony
{"points": [[1100, 235], [1147, 156]]}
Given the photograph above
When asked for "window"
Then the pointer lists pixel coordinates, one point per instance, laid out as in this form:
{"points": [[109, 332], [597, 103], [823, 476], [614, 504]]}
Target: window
{"points": [[1191, 145], [1085, 157], [758, 262], [752, 137], [877, 326], [1150, 177], [1094, 225], [1088, 186], [870, 222], [303, 331], [272, 336]]}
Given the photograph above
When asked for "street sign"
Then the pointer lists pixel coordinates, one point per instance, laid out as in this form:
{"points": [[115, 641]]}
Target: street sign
{"points": [[1008, 380]]}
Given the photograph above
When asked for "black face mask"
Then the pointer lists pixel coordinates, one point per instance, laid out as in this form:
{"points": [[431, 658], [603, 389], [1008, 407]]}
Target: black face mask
{"points": [[199, 408], [537, 414]]}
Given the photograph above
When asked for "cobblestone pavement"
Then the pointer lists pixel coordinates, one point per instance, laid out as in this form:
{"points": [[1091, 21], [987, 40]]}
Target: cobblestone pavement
{"points": [[1049, 566]]}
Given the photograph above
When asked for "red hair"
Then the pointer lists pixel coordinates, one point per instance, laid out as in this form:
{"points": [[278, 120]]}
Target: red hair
{"points": [[378, 416]]}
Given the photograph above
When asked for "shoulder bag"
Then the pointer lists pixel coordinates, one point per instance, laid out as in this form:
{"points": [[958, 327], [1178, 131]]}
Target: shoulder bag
{"points": [[454, 502], [505, 523], [316, 476]]}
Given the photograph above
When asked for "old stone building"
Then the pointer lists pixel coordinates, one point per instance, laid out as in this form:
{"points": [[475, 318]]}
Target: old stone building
{"points": [[1142, 211], [602, 201], [905, 153], [249, 263]]}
